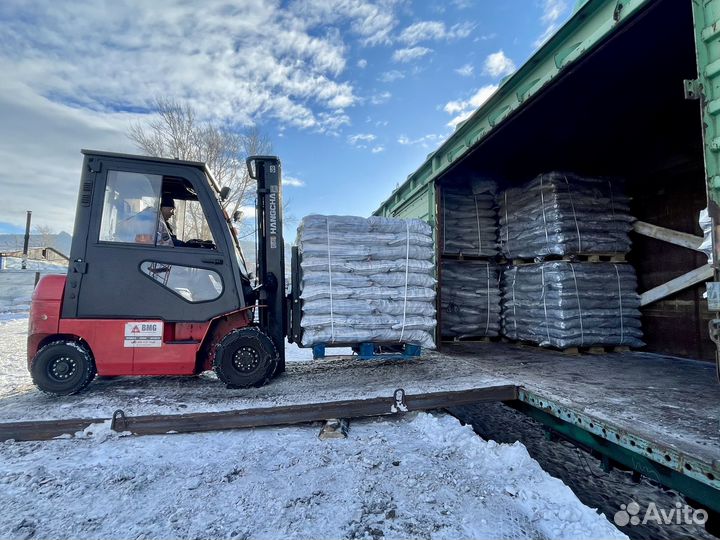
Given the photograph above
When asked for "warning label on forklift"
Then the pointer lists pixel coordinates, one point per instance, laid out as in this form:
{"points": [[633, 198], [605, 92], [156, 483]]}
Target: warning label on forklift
{"points": [[143, 334]]}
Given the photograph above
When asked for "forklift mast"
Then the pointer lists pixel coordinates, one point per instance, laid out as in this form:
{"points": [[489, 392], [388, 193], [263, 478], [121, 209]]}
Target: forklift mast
{"points": [[265, 170]]}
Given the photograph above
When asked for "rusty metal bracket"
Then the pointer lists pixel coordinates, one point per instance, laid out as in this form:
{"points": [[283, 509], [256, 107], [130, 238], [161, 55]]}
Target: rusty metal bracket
{"points": [[119, 421], [399, 405]]}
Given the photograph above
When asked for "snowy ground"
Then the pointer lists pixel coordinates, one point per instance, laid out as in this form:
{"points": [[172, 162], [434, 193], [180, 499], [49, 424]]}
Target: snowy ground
{"points": [[16, 285], [422, 476]]}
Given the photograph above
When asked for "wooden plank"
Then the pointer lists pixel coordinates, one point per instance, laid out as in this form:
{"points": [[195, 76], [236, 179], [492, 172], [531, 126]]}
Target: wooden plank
{"points": [[678, 284], [268, 416], [677, 238]]}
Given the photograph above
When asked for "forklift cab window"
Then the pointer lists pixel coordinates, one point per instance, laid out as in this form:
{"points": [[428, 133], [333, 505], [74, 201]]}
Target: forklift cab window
{"points": [[190, 226], [130, 207], [133, 212]]}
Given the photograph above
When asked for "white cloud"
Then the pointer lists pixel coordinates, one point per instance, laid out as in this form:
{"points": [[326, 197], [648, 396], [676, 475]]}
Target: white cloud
{"points": [[391, 76], [422, 31], [425, 141], [362, 63], [553, 11], [241, 63], [410, 54], [465, 71], [497, 64], [361, 140], [464, 108], [373, 23], [380, 98], [377, 149], [433, 30], [292, 181]]}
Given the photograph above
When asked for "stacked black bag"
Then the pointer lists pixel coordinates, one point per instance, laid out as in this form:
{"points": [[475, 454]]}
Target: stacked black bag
{"points": [[562, 213], [563, 304], [469, 220], [470, 299], [560, 303]]}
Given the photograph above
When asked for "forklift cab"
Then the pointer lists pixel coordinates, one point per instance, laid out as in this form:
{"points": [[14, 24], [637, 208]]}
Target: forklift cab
{"points": [[157, 284], [128, 260]]}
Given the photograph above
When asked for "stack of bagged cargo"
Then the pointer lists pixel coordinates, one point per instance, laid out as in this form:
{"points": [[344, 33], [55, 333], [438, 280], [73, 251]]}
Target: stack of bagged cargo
{"points": [[366, 280], [564, 304], [469, 220], [561, 214], [561, 303], [470, 299]]}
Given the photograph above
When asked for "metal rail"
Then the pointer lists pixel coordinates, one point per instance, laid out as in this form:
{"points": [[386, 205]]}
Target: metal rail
{"points": [[631, 449], [399, 403]]}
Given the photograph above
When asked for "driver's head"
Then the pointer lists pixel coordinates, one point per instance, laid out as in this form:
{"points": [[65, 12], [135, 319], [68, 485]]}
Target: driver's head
{"points": [[167, 206]]}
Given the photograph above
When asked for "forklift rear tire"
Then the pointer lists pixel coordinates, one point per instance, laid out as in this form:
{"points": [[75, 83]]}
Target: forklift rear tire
{"points": [[246, 358], [63, 367]]}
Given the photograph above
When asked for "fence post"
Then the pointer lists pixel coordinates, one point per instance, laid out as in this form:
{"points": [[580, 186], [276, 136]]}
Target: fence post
{"points": [[26, 243], [37, 278]]}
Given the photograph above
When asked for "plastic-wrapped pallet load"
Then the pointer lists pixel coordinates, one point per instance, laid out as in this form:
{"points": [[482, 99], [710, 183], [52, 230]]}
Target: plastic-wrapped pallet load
{"points": [[469, 219], [563, 304], [562, 214], [366, 280], [470, 299]]}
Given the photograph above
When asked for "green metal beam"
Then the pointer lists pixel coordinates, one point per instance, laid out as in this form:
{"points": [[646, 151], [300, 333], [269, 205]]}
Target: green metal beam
{"points": [[591, 24], [706, 19], [670, 467]]}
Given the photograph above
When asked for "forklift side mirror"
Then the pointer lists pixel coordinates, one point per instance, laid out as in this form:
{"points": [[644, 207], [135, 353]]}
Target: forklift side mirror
{"points": [[236, 216], [224, 192]]}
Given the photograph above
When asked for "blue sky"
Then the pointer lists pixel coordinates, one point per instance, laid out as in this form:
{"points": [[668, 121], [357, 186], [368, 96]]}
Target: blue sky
{"points": [[353, 93]]}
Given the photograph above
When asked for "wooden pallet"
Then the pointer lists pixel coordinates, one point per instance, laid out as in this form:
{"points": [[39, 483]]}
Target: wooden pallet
{"points": [[471, 339], [575, 257], [573, 351]]}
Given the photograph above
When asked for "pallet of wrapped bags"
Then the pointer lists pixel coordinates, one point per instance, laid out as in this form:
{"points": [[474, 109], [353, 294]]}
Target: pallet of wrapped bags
{"points": [[468, 217], [366, 280], [563, 304], [561, 213], [470, 299]]}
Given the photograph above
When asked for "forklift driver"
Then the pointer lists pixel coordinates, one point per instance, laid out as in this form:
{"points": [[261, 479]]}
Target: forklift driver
{"points": [[165, 236]]}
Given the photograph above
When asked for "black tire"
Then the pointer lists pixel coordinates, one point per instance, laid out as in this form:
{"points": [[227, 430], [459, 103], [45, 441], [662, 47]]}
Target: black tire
{"points": [[246, 358], [62, 368]]}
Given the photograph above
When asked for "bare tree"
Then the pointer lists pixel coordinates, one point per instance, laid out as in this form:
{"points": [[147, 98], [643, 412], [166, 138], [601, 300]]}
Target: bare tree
{"points": [[177, 133], [46, 234]]}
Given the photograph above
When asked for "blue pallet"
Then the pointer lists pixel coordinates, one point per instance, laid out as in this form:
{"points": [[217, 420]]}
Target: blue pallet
{"points": [[368, 352]]}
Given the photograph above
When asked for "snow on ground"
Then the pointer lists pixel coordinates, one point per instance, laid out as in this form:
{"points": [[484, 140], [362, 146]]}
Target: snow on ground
{"points": [[47, 267], [424, 476], [16, 285]]}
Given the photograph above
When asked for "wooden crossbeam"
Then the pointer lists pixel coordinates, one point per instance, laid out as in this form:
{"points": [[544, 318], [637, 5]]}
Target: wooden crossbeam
{"points": [[678, 284], [685, 240]]}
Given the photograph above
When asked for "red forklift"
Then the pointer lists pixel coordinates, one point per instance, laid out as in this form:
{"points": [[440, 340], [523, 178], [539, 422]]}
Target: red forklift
{"points": [[152, 293]]}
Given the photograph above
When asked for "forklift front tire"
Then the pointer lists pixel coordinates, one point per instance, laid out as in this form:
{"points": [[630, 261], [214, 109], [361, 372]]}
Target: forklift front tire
{"points": [[246, 358], [62, 368]]}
